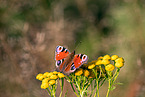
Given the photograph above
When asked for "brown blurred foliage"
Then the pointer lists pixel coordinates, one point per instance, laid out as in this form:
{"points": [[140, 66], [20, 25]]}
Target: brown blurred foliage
{"points": [[31, 29]]}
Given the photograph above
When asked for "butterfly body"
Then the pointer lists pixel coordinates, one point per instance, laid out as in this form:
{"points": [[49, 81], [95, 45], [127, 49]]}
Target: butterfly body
{"points": [[67, 62]]}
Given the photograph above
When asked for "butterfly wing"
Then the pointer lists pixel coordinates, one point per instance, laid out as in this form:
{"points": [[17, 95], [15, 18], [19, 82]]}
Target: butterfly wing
{"points": [[60, 54], [77, 61]]}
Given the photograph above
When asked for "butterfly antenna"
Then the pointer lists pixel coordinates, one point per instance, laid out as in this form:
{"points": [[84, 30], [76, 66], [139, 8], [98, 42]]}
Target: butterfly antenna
{"points": [[77, 45]]}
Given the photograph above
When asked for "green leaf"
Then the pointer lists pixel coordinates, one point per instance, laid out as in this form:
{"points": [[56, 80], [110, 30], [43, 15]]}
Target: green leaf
{"points": [[112, 88], [66, 93], [118, 83]]}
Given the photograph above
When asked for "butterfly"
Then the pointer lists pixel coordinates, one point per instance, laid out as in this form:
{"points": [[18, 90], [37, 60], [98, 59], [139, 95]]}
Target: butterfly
{"points": [[67, 62]]}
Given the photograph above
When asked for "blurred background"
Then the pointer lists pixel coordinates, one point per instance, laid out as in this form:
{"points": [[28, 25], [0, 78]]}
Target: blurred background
{"points": [[30, 30]]}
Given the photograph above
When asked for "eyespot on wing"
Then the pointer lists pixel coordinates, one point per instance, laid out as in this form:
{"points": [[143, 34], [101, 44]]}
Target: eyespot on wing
{"points": [[80, 59]]}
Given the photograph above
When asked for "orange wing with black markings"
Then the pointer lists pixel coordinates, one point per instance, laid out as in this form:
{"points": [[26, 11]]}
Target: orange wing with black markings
{"points": [[60, 54]]}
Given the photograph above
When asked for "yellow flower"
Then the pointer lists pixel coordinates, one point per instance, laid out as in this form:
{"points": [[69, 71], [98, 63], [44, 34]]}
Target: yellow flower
{"points": [[119, 60], [55, 72], [49, 74], [105, 61], [91, 66], [45, 80], [106, 57], [44, 85], [45, 74], [100, 58], [99, 62], [109, 67], [114, 57], [79, 72], [53, 77], [61, 75], [51, 82], [39, 75], [86, 73], [119, 64]]}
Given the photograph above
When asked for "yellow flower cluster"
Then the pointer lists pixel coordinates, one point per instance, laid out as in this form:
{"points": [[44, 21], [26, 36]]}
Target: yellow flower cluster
{"points": [[81, 71], [49, 78], [84, 71], [106, 60]]}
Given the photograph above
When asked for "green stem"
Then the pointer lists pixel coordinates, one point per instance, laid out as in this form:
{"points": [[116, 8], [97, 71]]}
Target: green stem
{"points": [[102, 71], [97, 81], [53, 87], [93, 88], [74, 89], [78, 80], [66, 93], [116, 75], [97, 88], [70, 81], [82, 93], [61, 85], [83, 83], [48, 91], [103, 82], [85, 88], [78, 85], [97, 91], [109, 87]]}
